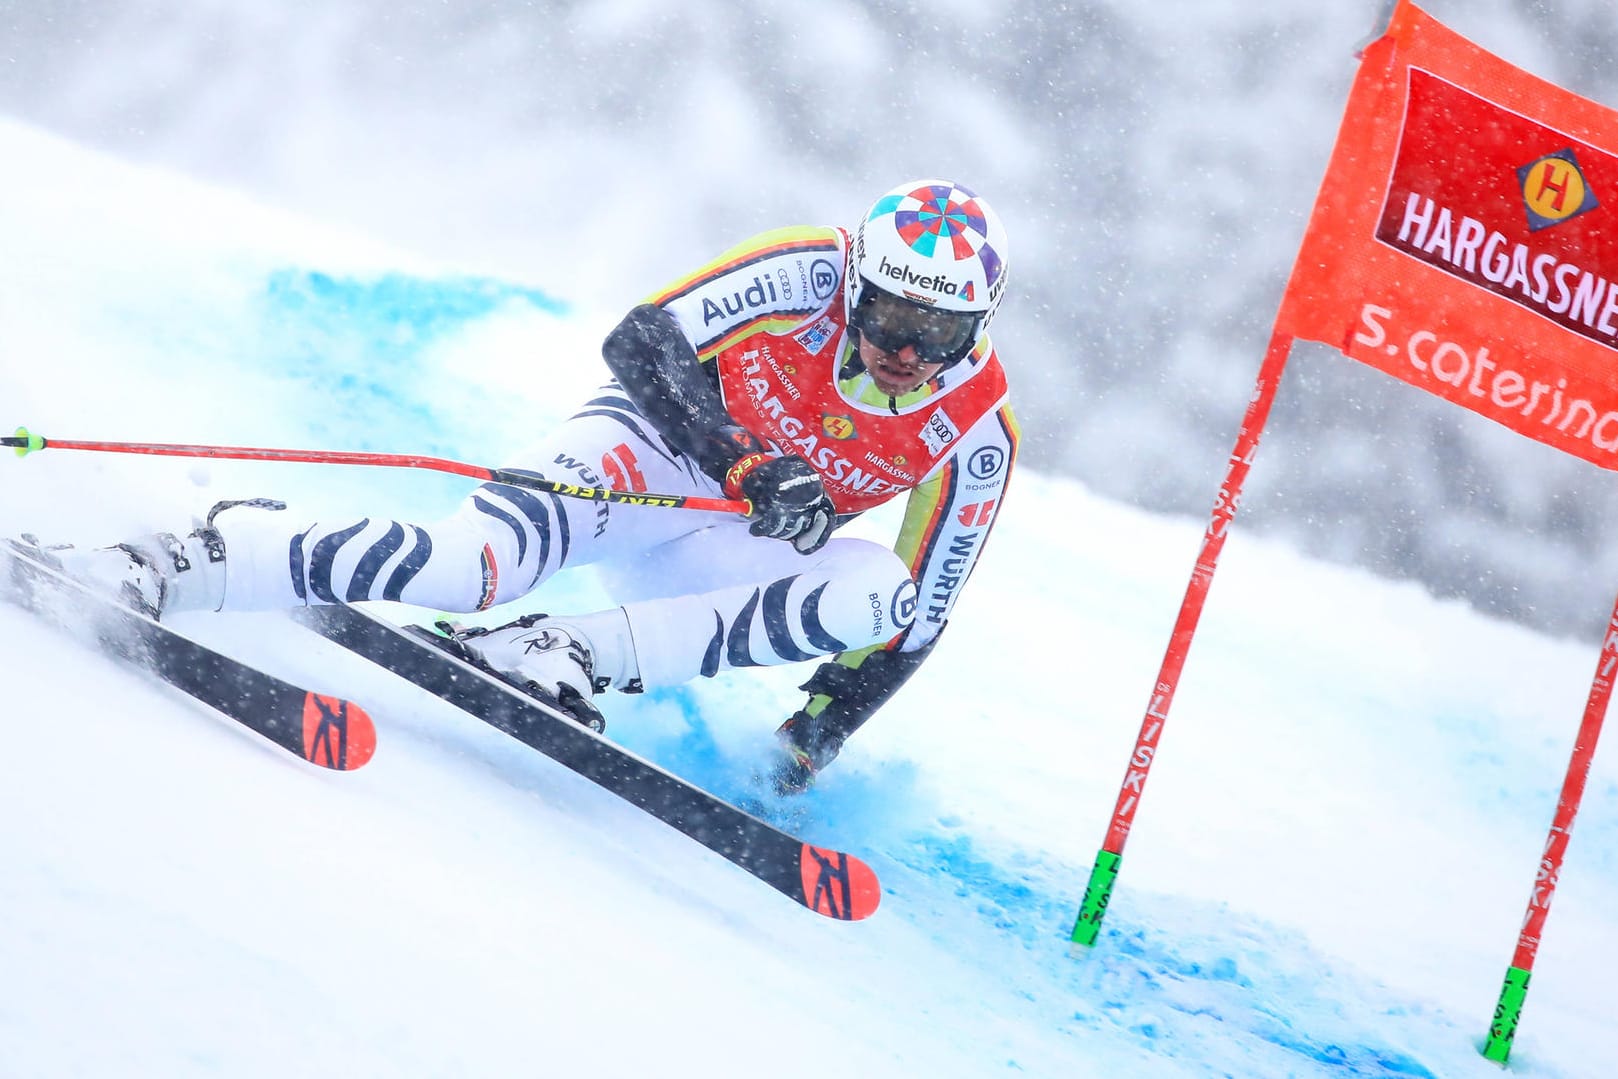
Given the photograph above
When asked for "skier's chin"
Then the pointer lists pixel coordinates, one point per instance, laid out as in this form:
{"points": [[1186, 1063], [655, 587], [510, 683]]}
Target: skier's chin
{"points": [[896, 386], [896, 381]]}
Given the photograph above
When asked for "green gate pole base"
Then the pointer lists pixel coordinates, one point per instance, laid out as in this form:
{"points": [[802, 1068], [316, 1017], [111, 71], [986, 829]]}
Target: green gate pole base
{"points": [[1096, 896], [1497, 1047]]}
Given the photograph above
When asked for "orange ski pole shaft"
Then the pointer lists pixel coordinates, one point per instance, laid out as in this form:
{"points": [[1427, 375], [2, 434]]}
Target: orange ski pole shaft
{"points": [[25, 442]]}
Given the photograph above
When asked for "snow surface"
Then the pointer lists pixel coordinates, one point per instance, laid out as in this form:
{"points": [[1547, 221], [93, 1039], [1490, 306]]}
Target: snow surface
{"points": [[1326, 877]]}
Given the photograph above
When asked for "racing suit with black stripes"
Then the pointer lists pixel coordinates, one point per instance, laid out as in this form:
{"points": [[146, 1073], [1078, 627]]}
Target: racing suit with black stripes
{"points": [[756, 338]]}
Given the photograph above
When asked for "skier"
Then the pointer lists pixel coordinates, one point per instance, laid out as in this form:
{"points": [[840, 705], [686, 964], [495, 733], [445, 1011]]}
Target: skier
{"points": [[813, 373]]}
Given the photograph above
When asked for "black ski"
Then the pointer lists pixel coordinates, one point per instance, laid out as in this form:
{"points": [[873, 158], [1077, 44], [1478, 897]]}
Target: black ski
{"points": [[327, 731], [828, 882]]}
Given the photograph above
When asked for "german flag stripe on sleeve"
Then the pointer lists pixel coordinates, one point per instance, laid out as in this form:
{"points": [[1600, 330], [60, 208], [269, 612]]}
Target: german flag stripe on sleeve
{"points": [[924, 518], [806, 239], [1013, 430]]}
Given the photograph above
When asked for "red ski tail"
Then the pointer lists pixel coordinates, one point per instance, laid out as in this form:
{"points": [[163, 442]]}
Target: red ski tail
{"points": [[838, 885], [337, 734]]}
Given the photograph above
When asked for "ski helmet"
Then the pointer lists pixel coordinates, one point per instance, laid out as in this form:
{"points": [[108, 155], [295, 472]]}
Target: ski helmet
{"points": [[939, 248]]}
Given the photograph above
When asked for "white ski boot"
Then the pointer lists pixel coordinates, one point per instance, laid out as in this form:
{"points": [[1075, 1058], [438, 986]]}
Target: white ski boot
{"points": [[566, 660], [156, 574]]}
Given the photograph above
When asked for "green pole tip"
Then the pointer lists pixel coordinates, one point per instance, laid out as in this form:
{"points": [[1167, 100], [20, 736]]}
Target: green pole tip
{"points": [[30, 442]]}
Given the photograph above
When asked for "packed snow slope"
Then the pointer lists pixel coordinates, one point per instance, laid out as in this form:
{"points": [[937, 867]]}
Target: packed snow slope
{"points": [[1326, 877]]}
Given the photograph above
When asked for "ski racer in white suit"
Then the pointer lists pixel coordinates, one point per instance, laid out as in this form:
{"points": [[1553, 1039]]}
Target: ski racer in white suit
{"points": [[814, 373]]}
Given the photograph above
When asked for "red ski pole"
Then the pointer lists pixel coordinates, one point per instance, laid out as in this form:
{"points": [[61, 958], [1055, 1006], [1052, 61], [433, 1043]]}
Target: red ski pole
{"points": [[25, 443]]}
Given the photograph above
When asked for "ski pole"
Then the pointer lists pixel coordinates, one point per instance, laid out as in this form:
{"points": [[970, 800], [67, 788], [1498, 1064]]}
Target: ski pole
{"points": [[25, 442]]}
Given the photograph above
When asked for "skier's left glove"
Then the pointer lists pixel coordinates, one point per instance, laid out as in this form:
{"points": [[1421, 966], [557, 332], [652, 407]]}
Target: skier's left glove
{"points": [[843, 694], [789, 502]]}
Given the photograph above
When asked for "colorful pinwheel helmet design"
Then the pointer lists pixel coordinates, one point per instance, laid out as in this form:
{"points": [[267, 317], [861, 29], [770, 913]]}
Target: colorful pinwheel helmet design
{"points": [[939, 247]]}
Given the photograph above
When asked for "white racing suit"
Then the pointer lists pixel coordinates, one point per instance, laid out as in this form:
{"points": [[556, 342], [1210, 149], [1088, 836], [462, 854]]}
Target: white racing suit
{"points": [[707, 595], [765, 323]]}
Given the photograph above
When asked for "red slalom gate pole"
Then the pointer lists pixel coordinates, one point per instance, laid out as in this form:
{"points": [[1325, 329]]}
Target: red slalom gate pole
{"points": [[25, 443], [1508, 1011], [1098, 892]]}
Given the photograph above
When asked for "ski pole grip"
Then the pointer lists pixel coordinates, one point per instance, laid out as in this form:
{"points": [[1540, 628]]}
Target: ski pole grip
{"points": [[24, 442]]}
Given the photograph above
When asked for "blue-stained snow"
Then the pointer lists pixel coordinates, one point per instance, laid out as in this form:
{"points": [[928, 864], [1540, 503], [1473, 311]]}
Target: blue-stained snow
{"points": [[364, 348], [1325, 879]]}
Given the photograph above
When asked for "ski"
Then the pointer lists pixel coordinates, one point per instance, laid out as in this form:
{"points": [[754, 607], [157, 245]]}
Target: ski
{"points": [[829, 882], [328, 731]]}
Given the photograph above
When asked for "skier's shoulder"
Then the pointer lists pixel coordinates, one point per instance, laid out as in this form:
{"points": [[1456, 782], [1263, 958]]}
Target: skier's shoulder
{"points": [[979, 378], [808, 259], [791, 238], [979, 405], [771, 282]]}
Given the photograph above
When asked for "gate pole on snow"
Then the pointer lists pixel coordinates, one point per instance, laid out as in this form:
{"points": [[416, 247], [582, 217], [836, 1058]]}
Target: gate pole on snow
{"points": [[1514, 992], [1098, 892]]}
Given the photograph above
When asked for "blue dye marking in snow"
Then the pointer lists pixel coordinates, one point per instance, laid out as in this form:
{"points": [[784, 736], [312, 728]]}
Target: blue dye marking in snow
{"points": [[395, 309], [1246, 996], [1177, 992], [362, 340], [1171, 991], [357, 346]]}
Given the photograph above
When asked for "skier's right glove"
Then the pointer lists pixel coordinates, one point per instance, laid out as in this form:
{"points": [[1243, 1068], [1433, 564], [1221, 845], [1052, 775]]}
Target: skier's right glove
{"points": [[789, 502]]}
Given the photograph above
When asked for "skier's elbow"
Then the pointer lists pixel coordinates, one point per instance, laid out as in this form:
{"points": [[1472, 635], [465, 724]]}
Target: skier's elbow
{"points": [[644, 336]]}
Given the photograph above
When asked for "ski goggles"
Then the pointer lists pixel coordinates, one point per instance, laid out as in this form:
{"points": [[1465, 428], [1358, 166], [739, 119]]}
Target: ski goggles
{"points": [[891, 322]]}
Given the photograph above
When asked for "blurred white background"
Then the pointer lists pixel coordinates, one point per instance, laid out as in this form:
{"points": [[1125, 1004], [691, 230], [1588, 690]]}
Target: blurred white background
{"points": [[1155, 164]]}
